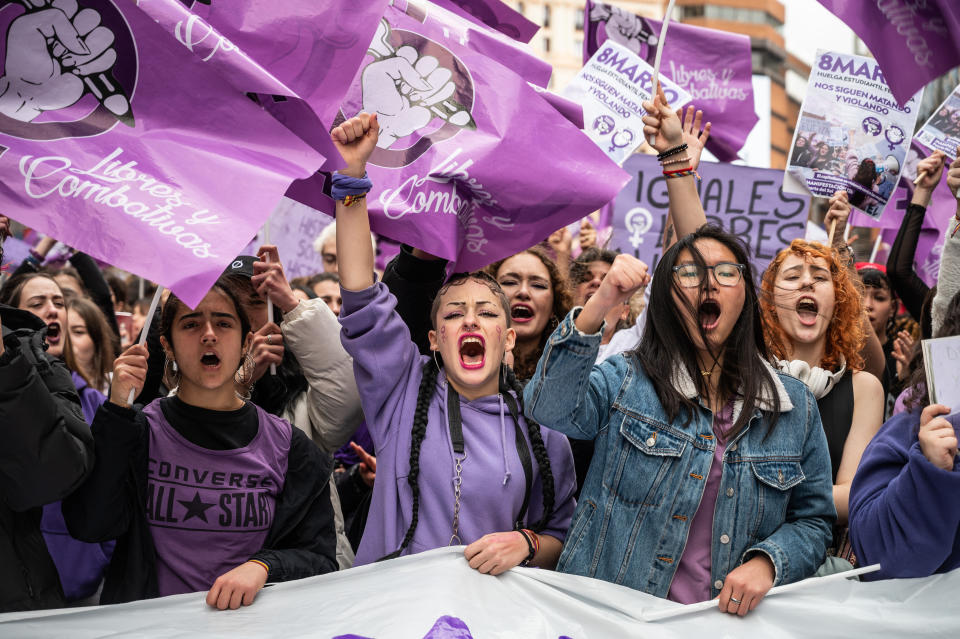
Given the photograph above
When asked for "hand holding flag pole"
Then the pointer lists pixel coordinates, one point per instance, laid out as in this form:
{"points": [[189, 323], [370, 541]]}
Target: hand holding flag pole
{"points": [[146, 331], [266, 258]]}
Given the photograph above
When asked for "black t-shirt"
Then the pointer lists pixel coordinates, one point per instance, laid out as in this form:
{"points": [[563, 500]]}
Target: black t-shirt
{"points": [[212, 429]]}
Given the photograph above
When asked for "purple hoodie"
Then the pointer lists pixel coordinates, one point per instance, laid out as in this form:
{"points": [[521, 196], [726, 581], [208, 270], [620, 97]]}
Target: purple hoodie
{"points": [[80, 565], [388, 368]]}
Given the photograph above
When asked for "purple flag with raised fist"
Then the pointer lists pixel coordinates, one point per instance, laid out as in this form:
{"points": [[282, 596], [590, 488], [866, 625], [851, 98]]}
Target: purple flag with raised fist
{"points": [[914, 41], [472, 164], [713, 66], [942, 207], [118, 141]]}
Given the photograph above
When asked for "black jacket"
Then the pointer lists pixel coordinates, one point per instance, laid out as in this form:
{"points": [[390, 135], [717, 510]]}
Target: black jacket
{"points": [[46, 450], [111, 504], [415, 282]]}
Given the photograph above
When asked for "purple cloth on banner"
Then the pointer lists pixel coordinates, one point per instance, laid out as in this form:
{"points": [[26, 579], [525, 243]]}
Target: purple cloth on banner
{"points": [[496, 15], [472, 164], [15, 251], [942, 207], [152, 163], [713, 66], [746, 201], [914, 42]]}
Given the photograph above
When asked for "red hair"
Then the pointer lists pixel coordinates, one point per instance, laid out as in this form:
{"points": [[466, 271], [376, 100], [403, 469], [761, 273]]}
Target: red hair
{"points": [[845, 334]]}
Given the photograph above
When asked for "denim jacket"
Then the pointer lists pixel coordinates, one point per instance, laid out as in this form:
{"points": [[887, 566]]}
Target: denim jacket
{"points": [[647, 476]]}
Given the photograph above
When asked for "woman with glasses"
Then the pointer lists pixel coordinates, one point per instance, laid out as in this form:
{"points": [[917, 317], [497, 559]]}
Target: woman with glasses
{"points": [[710, 476], [813, 325]]}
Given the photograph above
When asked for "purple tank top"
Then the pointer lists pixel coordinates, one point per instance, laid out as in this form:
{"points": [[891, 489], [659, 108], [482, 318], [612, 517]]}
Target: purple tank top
{"points": [[210, 510]]}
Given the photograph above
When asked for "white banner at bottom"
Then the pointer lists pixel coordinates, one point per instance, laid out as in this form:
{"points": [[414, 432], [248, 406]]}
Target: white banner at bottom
{"points": [[436, 595]]}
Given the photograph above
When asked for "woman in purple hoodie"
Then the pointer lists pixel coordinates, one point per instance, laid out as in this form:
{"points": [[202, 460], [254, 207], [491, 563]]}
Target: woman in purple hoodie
{"points": [[456, 461]]}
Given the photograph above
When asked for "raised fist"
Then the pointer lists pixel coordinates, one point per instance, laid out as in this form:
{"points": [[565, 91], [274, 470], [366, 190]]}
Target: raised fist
{"points": [[407, 90], [49, 51]]}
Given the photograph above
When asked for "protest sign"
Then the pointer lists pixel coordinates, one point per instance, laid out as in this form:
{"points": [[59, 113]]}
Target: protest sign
{"points": [[935, 219], [914, 42], [126, 146], [942, 130], [437, 595], [472, 164], [611, 87], [941, 359], [852, 134], [745, 201], [293, 227], [713, 67]]}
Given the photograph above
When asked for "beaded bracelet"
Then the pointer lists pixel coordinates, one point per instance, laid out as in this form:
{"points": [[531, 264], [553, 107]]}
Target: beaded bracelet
{"points": [[685, 158], [677, 149]]}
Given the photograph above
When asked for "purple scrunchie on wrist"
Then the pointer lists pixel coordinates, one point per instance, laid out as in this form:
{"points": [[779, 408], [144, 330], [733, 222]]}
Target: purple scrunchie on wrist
{"points": [[344, 185]]}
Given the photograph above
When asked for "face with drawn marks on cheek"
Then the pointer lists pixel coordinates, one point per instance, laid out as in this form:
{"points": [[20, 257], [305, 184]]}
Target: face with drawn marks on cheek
{"points": [[470, 337]]}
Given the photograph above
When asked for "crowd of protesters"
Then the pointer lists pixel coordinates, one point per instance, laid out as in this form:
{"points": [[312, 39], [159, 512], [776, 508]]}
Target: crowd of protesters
{"points": [[727, 432]]}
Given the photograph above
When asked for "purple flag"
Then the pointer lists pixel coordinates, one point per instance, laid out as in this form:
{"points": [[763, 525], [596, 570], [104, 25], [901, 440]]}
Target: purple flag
{"points": [[746, 201], [914, 42], [713, 66], [496, 15], [121, 143], [301, 50], [942, 207], [472, 164]]}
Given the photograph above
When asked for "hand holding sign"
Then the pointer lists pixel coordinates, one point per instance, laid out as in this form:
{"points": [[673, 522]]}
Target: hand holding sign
{"points": [[938, 440], [953, 176], [49, 53], [929, 172], [661, 125], [836, 218]]}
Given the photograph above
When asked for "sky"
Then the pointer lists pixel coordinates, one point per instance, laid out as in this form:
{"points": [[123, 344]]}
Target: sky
{"points": [[808, 26]]}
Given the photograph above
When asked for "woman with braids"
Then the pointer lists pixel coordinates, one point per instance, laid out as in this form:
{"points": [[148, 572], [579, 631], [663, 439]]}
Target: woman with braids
{"points": [[710, 477], [454, 415], [812, 323], [539, 298]]}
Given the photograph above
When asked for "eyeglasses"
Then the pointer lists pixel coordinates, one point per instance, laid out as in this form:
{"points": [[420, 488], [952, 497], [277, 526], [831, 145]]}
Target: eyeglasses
{"points": [[691, 275]]}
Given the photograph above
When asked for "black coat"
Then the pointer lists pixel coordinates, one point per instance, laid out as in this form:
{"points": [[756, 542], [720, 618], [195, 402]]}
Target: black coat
{"points": [[46, 450], [112, 504]]}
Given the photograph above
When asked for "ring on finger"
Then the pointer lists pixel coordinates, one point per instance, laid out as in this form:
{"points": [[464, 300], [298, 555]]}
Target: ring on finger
{"points": [[735, 601], [270, 339]]}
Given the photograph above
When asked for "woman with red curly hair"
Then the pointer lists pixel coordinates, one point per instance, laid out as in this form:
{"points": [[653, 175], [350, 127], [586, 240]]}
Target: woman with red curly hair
{"points": [[812, 321]]}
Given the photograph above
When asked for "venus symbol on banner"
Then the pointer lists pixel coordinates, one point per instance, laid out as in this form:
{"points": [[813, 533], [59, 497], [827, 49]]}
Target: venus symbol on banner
{"points": [[638, 221]]}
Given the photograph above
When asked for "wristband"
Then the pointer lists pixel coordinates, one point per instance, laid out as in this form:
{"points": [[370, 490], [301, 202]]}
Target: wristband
{"points": [[344, 186], [530, 546], [677, 149], [261, 564]]}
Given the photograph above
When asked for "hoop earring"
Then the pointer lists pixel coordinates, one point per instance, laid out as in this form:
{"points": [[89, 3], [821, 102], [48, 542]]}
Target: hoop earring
{"points": [[435, 360], [244, 374], [171, 372]]}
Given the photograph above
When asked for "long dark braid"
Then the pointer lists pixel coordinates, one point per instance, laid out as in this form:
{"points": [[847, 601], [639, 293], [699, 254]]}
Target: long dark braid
{"points": [[539, 449], [428, 385]]}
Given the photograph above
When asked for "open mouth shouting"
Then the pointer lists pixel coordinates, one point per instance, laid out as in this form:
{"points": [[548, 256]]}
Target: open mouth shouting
{"points": [[472, 348], [808, 310], [210, 361], [53, 333], [521, 313], [709, 314]]}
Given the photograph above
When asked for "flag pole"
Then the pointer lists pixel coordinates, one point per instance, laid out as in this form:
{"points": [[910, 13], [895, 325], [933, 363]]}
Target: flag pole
{"points": [[145, 331], [656, 63]]}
